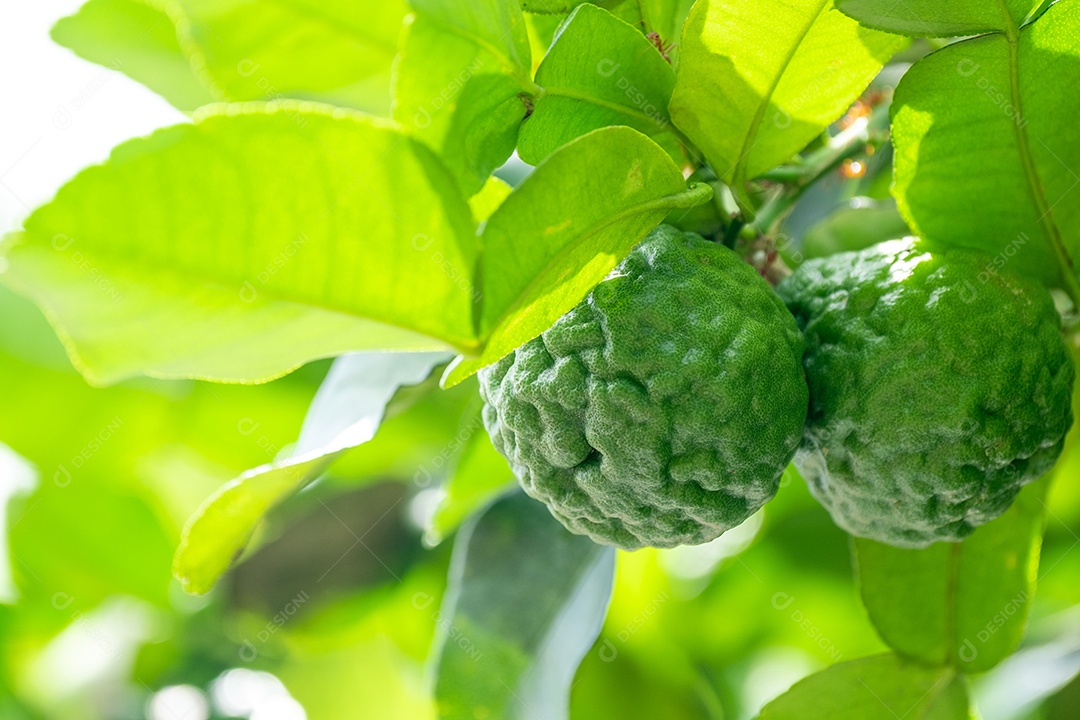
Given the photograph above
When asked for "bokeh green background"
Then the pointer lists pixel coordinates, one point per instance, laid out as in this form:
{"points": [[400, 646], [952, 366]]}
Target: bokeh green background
{"points": [[337, 606]]}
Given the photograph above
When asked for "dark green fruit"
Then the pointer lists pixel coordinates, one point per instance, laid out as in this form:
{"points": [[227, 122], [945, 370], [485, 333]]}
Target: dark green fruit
{"points": [[938, 388], [663, 409]]}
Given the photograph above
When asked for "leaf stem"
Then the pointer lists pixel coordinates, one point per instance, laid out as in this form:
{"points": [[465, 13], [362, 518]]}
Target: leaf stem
{"points": [[759, 112], [731, 233], [818, 164], [784, 174]]}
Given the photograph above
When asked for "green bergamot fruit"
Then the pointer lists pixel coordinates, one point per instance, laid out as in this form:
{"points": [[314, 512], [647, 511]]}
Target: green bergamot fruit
{"points": [[663, 409], [938, 388]]}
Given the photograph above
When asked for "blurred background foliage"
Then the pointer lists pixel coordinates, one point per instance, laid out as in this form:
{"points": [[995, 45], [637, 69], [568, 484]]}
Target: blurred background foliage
{"points": [[332, 615], [333, 611]]}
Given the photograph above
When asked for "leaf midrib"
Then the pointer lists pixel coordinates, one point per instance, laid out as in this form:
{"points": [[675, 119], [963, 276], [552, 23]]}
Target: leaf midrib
{"points": [[107, 257], [510, 66], [607, 104], [1036, 189], [759, 114]]}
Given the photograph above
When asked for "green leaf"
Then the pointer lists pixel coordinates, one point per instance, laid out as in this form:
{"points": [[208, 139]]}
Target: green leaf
{"points": [[759, 79], [462, 82], [257, 239], [335, 51], [201, 51], [986, 146], [490, 197], [550, 7], [496, 25], [882, 687], [959, 604], [564, 228], [345, 413], [600, 71], [414, 443], [357, 392], [138, 40], [480, 475], [932, 18], [526, 600]]}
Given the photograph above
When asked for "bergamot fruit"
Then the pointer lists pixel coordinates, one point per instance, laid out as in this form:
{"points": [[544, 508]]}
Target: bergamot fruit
{"points": [[663, 409], [938, 388]]}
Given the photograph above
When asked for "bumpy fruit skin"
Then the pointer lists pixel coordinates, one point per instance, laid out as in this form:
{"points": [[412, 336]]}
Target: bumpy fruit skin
{"points": [[938, 388], [661, 410]]}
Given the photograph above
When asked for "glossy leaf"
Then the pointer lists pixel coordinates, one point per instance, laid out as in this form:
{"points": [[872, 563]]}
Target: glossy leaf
{"points": [[564, 228], [986, 148], [345, 413], [600, 71], [1024, 681], [352, 399], [930, 18], [883, 687], [526, 600], [462, 81], [241, 246], [759, 80], [138, 40], [959, 604]]}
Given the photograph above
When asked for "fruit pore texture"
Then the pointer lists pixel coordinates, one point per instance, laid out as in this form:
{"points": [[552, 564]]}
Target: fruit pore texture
{"points": [[663, 409], [938, 388]]}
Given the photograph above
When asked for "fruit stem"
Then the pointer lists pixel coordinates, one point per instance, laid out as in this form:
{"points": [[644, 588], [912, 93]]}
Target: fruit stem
{"points": [[819, 164], [861, 132], [731, 233]]}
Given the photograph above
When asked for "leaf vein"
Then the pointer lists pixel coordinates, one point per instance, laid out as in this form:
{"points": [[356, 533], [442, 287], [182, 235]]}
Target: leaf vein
{"points": [[759, 113], [1035, 185]]}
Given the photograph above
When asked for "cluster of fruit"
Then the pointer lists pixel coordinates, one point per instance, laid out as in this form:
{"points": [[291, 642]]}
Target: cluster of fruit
{"points": [[916, 392]]}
